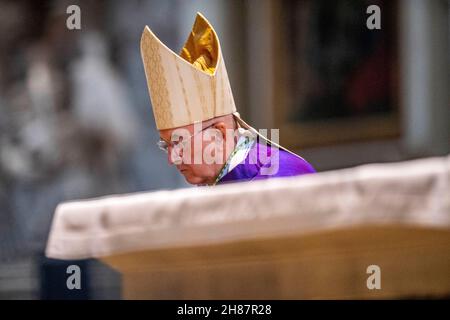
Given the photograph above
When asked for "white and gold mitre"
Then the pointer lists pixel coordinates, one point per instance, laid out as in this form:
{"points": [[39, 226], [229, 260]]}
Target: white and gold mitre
{"points": [[189, 87]]}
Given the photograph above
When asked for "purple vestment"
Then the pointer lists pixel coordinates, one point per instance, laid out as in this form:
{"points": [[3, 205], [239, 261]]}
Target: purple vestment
{"points": [[262, 163]]}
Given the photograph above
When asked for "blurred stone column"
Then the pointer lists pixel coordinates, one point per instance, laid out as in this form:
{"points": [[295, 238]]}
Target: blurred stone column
{"points": [[424, 56]]}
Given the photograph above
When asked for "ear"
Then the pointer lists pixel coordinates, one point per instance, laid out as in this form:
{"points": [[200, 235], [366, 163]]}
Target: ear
{"points": [[221, 126]]}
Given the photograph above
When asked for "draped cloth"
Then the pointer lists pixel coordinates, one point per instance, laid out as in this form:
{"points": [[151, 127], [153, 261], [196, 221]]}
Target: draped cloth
{"points": [[311, 236]]}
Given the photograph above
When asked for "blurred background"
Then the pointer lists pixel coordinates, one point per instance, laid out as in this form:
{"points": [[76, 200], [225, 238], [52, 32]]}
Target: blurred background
{"points": [[76, 120]]}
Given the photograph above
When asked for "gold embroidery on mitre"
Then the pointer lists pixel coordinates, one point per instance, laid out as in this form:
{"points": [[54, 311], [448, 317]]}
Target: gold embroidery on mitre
{"points": [[214, 95], [201, 93], [183, 89], [157, 84], [227, 87], [222, 93]]}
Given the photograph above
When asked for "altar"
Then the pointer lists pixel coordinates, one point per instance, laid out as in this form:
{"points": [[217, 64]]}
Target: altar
{"points": [[321, 236]]}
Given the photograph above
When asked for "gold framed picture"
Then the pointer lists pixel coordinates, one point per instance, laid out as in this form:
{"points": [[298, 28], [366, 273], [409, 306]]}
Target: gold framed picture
{"points": [[336, 80]]}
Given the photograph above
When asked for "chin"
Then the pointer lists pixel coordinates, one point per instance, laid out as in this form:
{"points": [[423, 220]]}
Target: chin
{"points": [[193, 179]]}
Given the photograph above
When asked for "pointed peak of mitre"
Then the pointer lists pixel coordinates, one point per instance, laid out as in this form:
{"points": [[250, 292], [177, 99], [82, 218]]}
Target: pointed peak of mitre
{"points": [[200, 16], [149, 35], [201, 20], [202, 48]]}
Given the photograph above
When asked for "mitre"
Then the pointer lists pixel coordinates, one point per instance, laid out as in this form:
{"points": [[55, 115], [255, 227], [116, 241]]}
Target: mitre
{"points": [[191, 86]]}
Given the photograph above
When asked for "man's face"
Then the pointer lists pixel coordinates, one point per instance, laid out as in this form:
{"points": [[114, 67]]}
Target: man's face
{"points": [[198, 153]]}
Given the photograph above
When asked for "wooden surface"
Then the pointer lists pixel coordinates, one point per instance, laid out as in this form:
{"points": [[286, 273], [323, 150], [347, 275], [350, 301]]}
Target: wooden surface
{"points": [[332, 265]]}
